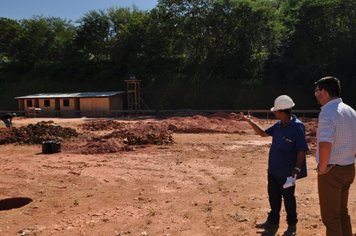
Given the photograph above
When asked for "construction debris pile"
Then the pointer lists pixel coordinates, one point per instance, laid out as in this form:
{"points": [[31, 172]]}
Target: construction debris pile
{"points": [[36, 134]]}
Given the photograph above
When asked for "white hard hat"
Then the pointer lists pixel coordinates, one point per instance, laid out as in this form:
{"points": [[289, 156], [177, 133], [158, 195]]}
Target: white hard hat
{"points": [[283, 102]]}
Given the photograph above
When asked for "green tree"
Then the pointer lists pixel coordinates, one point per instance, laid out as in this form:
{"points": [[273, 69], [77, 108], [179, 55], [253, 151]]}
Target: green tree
{"points": [[10, 31], [127, 46], [93, 36], [37, 41], [216, 43], [322, 40]]}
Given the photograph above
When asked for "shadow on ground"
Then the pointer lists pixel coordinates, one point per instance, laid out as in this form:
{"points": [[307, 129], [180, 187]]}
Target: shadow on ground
{"points": [[12, 203]]}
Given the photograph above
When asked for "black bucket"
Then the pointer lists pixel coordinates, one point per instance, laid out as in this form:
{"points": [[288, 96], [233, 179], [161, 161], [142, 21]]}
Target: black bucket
{"points": [[51, 147]]}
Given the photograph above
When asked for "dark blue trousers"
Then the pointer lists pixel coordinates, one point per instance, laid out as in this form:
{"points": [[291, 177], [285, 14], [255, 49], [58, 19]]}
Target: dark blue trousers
{"points": [[275, 194]]}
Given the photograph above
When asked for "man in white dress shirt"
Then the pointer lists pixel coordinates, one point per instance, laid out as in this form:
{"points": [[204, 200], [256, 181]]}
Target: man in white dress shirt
{"points": [[336, 137]]}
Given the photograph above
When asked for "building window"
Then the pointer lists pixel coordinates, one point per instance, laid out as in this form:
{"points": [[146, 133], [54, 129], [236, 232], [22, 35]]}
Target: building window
{"points": [[47, 103], [66, 102], [29, 103]]}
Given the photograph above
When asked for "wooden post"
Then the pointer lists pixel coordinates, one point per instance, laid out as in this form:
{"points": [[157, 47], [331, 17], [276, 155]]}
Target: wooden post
{"points": [[133, 93]]}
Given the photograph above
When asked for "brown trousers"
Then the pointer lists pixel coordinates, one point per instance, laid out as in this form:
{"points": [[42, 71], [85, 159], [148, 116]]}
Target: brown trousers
{"points": [[333, 190]]}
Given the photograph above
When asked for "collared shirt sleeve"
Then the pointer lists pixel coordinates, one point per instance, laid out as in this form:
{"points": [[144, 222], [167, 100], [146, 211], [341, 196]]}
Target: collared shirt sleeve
{"points": [[301, 142], [326, 128], [270, 130]]}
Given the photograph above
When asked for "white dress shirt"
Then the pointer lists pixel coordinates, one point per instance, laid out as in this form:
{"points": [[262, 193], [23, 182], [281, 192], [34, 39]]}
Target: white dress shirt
{"points": [[337, 125]]}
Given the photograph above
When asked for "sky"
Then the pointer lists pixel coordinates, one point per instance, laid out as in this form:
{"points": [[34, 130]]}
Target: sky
{"points": [[65, 9]]}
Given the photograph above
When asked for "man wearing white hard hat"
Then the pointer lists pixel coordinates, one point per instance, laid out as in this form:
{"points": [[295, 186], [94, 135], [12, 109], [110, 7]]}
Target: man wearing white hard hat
{"points": [[286, 163]]}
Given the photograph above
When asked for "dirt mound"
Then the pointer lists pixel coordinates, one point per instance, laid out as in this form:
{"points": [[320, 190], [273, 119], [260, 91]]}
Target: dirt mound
{"points": [[36, 134], [225, 115], [123, 139], [126, 135], [141, 133], [310, 133], [6, 136], [98, 125], [220, 122], [215, 123], [100, 146]]}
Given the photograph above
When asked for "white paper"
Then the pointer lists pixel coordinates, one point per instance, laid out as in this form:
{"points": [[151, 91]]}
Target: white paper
{"points": [[290, 181]]}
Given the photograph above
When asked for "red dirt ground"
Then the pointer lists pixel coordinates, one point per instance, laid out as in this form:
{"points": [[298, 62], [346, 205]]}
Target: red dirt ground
{"points": [[210, 180]]}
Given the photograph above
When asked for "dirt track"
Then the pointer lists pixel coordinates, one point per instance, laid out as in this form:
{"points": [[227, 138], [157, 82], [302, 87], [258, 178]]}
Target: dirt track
{"points": [[206, 183]]}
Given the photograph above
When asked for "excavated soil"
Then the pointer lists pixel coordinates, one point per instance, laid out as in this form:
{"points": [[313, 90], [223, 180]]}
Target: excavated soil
{"points": [[200, 175], [36, 134]]}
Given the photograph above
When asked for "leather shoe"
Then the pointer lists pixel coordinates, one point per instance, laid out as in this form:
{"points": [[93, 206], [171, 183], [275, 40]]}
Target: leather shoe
{"points": [[291, 231], [267, 225]]}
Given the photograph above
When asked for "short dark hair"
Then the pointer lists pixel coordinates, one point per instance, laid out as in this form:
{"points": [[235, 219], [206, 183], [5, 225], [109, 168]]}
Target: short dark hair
{"points": [[331, 84], [287, 111]]}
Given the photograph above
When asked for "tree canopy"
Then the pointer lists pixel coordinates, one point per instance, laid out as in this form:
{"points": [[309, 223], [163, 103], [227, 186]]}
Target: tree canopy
{"points": [[201, 54]]}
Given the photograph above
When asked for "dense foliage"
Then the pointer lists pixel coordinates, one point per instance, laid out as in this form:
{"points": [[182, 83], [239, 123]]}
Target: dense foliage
{"points": [[198, 54]]}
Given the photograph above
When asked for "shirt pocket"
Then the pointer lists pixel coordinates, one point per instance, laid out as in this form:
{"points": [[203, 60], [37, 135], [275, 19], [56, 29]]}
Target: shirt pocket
{"points": [[288, 144]]}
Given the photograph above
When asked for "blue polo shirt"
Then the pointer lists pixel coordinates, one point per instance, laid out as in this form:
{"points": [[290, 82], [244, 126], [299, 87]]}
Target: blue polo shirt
{"points": [[286, 142]]}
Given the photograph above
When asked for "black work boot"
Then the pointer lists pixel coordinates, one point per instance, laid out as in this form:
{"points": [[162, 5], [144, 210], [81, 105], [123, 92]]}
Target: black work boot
{"points": [[266, 225], [269, 233], [291, 231], [270, 229]]}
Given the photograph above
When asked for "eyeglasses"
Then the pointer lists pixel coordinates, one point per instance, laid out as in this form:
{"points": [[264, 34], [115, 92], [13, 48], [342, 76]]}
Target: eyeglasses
{"points": [[316, 90]]}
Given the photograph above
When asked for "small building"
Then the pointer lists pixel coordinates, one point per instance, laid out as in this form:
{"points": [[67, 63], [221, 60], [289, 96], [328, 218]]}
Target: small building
{"points": [[89, 104]]}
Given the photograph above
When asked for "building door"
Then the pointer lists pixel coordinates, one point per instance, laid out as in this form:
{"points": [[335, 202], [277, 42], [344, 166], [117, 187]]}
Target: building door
{"points": [[57, 107], [36, 103], [77, 106], [56, 104]]}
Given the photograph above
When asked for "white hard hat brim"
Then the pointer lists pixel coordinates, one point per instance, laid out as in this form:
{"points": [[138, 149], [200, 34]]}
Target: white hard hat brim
{"points": [[278, 109]]}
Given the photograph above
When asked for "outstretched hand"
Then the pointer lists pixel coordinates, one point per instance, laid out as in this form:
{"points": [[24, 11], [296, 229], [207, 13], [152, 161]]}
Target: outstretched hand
{"points": [[243, 117]]}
